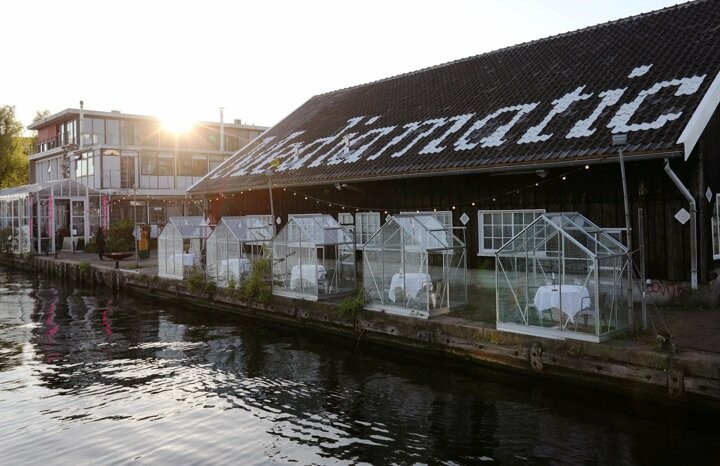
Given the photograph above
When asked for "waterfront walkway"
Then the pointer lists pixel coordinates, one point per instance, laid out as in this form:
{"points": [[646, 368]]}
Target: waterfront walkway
{"points": [[690, 326]]}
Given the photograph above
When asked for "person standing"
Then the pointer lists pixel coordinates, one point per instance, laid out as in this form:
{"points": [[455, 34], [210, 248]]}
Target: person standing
{"points": [[100, 241]]}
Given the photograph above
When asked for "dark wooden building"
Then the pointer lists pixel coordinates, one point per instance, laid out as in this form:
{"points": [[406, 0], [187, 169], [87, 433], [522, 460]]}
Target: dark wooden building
{"points": [[492, 139]]}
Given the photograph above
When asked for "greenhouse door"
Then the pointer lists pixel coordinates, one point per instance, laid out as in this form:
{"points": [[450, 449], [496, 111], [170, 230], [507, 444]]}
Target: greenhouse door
{"points": [[77, 224]]}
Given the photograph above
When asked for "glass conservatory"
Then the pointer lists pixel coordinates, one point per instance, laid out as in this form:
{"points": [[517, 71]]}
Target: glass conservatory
{"points": [[181, 246], [414, 266], [235, 244], [562, 277], [313, 258], [49, 217]]}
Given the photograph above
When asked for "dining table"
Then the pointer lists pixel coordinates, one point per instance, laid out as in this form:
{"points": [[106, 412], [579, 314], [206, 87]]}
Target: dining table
{"points": [[410, 283], [235, 267], [570, 299]]}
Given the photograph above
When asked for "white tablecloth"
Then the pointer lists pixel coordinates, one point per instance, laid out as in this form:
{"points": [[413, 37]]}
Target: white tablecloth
{"points": [[308, 272], [235, 267], [187, 260], [410, 282], [549, 296]]}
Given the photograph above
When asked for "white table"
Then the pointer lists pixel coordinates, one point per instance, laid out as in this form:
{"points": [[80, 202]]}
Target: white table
{"points": [[235, 267], [410, 282], [568, 298], [311, 273], [186, 259]]}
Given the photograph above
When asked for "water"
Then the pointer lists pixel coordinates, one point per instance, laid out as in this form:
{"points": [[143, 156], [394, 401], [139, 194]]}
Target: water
{"points": [[90, 378]]}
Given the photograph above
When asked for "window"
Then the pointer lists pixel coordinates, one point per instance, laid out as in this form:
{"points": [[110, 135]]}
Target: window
{"points": [[346, 220], [112, 132], [366, 225], [442, 216], [192, 166], [127, 132], [166, 165], [215, 161], [149, 163], [497, 227]]}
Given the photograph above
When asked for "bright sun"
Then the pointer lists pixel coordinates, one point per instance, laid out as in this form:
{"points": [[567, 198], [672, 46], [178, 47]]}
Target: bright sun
{"points": [[177, 123]]}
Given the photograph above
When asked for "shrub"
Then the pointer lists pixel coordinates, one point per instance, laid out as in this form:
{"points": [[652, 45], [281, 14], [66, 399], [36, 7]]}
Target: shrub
{"points": [[120, 236], [199, 283], [84, 268], [352, 305], [255, 287]]}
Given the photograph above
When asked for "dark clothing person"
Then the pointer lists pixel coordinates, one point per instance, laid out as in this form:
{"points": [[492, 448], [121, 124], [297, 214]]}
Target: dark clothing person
{"points": [[100, 242]]}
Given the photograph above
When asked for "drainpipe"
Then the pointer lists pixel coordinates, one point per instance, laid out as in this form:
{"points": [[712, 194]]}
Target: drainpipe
{"points": [[693, 224], [80, 125], [222, 130]]}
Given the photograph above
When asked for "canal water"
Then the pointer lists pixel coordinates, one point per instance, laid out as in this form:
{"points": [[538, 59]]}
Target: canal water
{"points": [[87, 377]]}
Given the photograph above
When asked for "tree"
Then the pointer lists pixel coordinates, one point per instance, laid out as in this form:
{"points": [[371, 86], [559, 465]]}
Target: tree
{"points": [[14, 149]]}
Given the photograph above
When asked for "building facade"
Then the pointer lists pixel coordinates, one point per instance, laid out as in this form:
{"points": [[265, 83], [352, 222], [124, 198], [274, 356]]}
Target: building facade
{"points": [[141, 168], [488, 142]]}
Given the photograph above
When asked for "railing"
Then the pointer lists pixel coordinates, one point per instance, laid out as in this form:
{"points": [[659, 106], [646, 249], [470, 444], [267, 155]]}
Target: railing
{"points": [[62, 139]]}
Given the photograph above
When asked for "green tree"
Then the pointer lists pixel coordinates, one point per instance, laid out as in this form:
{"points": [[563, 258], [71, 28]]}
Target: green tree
{"points": [[14, 149]]}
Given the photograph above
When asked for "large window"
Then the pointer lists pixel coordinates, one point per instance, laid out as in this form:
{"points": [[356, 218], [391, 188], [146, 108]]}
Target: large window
{"points": [[93, 131], [195, 165], [366, 225], [166, 165], [497, 227], [149, 163], [112, 132]]}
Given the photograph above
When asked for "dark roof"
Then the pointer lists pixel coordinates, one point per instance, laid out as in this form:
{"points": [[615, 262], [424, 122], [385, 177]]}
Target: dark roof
{"points": [[553, 100]]}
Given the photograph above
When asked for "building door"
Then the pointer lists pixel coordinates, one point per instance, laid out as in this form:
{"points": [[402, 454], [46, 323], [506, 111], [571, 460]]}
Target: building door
{"points": [[127, 172]]}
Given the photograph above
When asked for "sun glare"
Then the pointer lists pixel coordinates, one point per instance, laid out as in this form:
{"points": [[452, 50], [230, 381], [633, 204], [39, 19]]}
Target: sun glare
{"points": [[177, 123]]}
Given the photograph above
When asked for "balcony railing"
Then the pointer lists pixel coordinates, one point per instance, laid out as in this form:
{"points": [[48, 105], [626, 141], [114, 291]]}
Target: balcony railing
{"points": [[62, 139]]}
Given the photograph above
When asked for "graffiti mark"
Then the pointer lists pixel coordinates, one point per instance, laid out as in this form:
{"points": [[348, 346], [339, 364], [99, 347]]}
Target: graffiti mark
{"points": [[667, 289]]}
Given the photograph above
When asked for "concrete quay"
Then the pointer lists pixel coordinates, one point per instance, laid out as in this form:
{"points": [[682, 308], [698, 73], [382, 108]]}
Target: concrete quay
{"points": [[685, 374]]}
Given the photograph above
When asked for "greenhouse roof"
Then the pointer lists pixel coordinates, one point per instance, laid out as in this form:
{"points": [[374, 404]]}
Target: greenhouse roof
{"points": [[190, 227], [63, 187], [321, 229], [421, 230], [248, 229], [592, 239]]}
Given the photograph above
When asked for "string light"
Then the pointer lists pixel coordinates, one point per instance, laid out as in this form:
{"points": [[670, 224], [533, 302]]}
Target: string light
{"points": [[473, 203]]}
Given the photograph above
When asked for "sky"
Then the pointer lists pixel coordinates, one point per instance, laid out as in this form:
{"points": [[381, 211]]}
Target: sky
{"points": [[259, 60]]}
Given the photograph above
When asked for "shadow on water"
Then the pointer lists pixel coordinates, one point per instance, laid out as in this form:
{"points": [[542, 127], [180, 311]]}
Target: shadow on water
{"points": [[215, 387]]}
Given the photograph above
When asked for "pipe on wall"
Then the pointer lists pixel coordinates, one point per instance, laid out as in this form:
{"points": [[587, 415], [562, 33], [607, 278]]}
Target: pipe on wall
{"points": [[693, 225]]}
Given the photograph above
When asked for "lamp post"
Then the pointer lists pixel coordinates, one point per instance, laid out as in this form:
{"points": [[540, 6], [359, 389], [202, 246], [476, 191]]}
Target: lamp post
{"points": [[269, 174], [620, 141], [137, 257]]}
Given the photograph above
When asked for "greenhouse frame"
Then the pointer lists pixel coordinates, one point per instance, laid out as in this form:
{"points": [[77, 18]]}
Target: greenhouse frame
{"points": [[181, 246], [313, 258], [235, 244], [414, 266], [562, 277], [52, 216]]}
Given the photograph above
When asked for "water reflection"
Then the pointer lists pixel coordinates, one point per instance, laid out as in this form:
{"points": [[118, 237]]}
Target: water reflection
{"points": [[164, 384]]}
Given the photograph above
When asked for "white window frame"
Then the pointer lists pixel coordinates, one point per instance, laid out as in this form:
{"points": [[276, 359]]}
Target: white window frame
{"points": [[366, 225], [515, 228]]}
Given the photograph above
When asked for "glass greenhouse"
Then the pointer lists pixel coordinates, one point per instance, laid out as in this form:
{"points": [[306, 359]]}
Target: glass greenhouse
{"points": [[181, 246], [235, 244], [414, 266], [562, 277], [50, 217], [313, 258]]}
